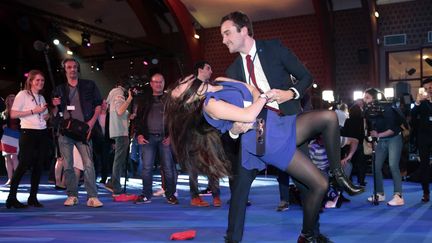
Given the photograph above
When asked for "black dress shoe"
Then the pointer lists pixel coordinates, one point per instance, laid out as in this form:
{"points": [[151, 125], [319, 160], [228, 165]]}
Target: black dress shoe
{"points": [[345, 183], [14, 203], [230, 241], [34, 203], [60, 188]]}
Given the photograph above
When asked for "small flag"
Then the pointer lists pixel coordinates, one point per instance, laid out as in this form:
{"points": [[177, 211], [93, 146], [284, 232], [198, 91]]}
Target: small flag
{"points": [[9, 141]]}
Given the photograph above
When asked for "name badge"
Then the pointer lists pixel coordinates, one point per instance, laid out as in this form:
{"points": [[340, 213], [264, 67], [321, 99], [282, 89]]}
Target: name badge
{"points": [[70, 107]]}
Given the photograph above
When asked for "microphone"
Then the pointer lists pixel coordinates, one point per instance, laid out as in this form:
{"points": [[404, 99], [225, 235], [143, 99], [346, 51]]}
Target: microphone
{"points": [[40, 46]]}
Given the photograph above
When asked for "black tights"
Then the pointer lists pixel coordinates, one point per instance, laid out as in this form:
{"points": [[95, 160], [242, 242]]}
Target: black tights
{"points": [[302, 169]]}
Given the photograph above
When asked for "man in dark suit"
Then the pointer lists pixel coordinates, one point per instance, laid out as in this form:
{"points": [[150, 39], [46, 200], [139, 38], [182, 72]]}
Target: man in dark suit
{"points": [[268, 65]]}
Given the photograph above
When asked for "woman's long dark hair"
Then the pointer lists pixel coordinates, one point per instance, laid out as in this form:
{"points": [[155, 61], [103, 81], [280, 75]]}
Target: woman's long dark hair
{"points": [[196, 144]]}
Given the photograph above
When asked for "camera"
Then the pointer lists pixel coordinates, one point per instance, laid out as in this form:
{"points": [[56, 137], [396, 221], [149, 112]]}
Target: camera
{"points": [[134, 83], [375, 108]]}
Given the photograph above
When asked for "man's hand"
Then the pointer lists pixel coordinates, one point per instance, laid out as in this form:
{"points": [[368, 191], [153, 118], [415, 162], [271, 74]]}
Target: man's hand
{"points": [[281, 96], [241, 127], [141, 140]]}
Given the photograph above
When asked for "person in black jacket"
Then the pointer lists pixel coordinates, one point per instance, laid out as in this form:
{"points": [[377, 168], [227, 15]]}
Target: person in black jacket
{"points": [[152, 135], [423, 112]]}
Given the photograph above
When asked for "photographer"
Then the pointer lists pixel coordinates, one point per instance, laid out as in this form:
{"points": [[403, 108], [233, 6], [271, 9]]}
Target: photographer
{"points": [[118, 130], [384, 127], [423, 112]]}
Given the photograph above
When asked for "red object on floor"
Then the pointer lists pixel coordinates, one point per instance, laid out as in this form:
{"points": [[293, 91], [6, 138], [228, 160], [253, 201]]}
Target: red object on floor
{"points": [[125, 198], [185, 235]]}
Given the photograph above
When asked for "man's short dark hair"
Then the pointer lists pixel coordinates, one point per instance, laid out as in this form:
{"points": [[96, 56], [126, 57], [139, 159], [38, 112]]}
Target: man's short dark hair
{"points": [[425, 81], [199, 65], [240, 20]]}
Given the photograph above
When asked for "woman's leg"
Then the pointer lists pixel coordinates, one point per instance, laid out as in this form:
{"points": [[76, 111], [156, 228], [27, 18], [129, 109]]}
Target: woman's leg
{"points": [[58, 171], [310, 124], [9, 167], [303, 170]]}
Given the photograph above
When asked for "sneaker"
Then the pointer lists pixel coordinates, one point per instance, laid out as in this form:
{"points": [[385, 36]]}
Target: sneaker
{"points": [[198, 202], [283, 206], [381, 197], [71, 201], [205, 192], [396, 201], [109, 186], [142, 200], [217, 201], [159, 193], [94, 202], [172, 200]]}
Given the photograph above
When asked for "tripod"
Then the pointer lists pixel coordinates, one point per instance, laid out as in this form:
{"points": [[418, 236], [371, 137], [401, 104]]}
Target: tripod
{"points": [[375, 200]]}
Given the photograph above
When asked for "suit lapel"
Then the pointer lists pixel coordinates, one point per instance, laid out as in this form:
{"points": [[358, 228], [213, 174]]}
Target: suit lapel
{"points": [[264, 59]]}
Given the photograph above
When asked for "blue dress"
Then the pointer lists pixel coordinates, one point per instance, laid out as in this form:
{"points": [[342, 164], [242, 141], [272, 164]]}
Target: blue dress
{"points": [[280, 141]]}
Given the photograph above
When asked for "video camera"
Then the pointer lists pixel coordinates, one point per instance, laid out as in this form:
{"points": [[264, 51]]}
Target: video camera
{"points": [[375, 108], [136, 84]]}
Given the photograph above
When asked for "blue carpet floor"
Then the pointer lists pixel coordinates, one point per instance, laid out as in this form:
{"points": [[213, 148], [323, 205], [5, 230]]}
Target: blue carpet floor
{"points": [[357, 221]]}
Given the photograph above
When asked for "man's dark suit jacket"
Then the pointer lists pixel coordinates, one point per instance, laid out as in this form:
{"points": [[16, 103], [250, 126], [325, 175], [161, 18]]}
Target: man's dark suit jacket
{"points": [[278, 63]]}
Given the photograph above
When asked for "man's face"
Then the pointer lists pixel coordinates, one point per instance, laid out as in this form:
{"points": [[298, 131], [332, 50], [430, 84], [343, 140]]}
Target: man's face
{"points": [[157, 83], [428, 88], [233, 39], [206, 72], [71, 69]]}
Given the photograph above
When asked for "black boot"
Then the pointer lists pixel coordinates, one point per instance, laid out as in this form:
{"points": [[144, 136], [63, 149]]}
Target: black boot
{"points": [[345, 183], [14, 203], [32, 201]]}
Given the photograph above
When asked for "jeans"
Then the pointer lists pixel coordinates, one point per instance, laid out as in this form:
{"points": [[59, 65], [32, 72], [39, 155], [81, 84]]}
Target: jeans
{"points": [[85, 150], [121, 145], [167, 165], [392, 147]]}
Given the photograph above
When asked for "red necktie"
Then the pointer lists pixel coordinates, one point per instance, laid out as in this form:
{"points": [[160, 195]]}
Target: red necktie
{"points": [[250, 67]]}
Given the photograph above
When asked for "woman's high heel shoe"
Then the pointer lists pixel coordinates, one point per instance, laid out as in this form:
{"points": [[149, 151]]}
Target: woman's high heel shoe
{"points": [[345, 183], [14, 203], [34, 202]]}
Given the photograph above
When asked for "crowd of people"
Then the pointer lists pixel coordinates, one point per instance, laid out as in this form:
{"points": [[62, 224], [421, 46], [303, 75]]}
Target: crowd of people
{"points": [[233, 126]]}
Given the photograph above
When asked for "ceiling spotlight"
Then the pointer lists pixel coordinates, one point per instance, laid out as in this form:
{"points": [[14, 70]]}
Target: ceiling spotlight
{"points": [[69, 52], [376, 14], [155, 61], [411, 71], [56, 42], [85, 39], [196, 36]]}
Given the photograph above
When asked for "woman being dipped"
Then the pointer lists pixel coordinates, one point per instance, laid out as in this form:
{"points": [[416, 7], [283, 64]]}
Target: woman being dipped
{"points": [[30, 107], [198, 145]]}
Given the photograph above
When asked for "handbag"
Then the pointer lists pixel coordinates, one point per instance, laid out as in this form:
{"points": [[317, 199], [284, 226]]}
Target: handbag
{"points": [[75, 129]]}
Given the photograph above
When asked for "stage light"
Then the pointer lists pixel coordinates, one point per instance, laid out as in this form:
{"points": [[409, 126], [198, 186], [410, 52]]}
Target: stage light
{"points": [[69, 52], [145, 63], [389, 93], [428, 61], [85, 39], [327, 95], [314, 85], [357, 95], [99, 65], [155, 61], [196, 36], [56, 42], [411, 71], [376, 14]]}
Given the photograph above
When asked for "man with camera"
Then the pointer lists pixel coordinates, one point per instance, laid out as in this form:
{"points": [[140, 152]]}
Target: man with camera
{"points": [[152, 135], [80, 100], [384, 128], [118, 130]]}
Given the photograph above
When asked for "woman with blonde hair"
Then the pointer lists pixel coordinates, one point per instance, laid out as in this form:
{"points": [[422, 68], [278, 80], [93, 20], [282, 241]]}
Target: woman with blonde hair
{"points": [[30, 107]]}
